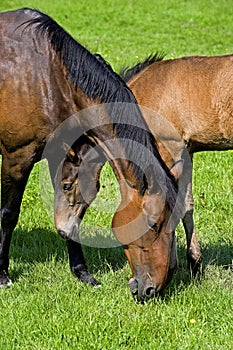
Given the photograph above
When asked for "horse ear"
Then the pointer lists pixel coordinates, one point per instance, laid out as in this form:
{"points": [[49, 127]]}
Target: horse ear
{"points": [[92, 154], [177, 169], [150, 179], [65, 147], [70, 154]]}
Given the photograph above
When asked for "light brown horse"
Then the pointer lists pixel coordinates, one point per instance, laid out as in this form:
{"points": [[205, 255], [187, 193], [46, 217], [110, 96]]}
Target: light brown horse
{"points": [[192, 98], [195, 95], [53, 81]]}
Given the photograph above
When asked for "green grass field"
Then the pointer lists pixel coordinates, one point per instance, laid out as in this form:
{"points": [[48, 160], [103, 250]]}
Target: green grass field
{"points": [[47, 308]]}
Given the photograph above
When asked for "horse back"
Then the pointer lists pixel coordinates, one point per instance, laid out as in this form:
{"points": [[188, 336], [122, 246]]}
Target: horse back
{"points": [[195, 94]]}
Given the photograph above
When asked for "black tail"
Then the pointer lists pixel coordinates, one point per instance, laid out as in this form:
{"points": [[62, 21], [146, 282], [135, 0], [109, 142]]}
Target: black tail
{"points": [[128, 72]]}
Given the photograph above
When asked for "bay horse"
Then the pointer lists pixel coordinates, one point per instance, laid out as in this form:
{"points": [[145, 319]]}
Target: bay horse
{"points": [[195, 95], [76, 186], [191, 95], [50, 78]]}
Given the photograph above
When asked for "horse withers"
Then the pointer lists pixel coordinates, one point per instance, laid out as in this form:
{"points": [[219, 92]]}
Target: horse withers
{"points": [[52, 77]]}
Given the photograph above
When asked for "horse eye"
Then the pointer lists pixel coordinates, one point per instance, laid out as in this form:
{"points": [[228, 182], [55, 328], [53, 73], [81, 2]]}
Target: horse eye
{"points": [[67, 186], [129, 183], [153, 225]]}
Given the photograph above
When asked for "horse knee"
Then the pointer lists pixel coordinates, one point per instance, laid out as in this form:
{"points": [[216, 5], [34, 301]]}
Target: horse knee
{"points": [[5, 215], [9, 217], [5, 212]]}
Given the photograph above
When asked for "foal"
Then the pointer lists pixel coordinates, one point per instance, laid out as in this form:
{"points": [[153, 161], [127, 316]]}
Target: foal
{"points": [[194, 96]]}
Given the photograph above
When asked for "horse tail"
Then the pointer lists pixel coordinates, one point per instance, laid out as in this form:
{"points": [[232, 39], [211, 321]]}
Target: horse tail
{"points": [[127, 73]]}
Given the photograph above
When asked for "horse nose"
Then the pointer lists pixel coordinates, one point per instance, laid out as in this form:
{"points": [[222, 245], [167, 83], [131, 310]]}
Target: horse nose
{"points": [[140, 293]]}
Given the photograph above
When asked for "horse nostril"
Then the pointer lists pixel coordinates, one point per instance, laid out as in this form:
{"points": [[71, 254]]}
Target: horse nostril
{"points": [[149, 292]]}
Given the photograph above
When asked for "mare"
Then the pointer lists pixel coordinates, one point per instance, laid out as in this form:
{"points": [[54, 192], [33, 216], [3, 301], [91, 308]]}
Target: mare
{"points": [[190, 106], [51, 77]]}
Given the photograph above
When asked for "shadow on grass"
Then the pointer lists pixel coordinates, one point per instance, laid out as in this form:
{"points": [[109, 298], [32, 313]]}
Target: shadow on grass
{"points": [[217, 257], [44, 245]]}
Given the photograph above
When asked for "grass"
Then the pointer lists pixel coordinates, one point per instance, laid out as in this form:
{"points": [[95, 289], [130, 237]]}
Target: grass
{"points": [[46, 308]]}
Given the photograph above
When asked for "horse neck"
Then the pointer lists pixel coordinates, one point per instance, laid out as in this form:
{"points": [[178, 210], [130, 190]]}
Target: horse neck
{"points": [[123, 171], [95, 150], [114, 152]]}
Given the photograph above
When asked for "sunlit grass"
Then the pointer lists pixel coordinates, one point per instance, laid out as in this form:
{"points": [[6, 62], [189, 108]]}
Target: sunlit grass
{"points": [[47, 308]]}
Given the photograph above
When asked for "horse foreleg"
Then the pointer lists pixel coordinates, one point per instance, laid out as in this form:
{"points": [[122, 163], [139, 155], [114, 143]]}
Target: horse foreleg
{"points": [[194, 255], [66, 224], [12, 188], [78, 265]]}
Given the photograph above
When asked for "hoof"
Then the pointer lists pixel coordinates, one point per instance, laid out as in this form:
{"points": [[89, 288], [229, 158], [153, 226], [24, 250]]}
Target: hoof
{"points": [[94, 283], [194, 258], [5, 281], [84, 276], [195, 268]]}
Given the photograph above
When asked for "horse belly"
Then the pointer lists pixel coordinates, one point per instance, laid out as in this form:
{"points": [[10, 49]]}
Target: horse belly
{"points": [[213, 123]]}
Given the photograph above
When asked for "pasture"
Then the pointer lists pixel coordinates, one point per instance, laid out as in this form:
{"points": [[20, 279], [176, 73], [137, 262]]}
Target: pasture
{"points": [[47, 308]]}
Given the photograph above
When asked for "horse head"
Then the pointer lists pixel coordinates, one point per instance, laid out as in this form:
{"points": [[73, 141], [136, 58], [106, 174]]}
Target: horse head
{"points": [[76, 186], [145, 225], [142, 222]]}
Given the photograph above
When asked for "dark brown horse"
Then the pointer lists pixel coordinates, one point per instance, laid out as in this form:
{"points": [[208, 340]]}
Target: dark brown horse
{"points": [[184, 123], [49, 77]]}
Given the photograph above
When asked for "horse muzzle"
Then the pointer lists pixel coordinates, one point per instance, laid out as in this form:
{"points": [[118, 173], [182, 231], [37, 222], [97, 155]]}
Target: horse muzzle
{"points": [[69, 230], [142, 290]]}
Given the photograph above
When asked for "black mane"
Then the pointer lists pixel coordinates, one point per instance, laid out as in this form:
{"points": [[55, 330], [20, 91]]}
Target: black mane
{"points": [[98, 81], [86, 71], [127, 73]]}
